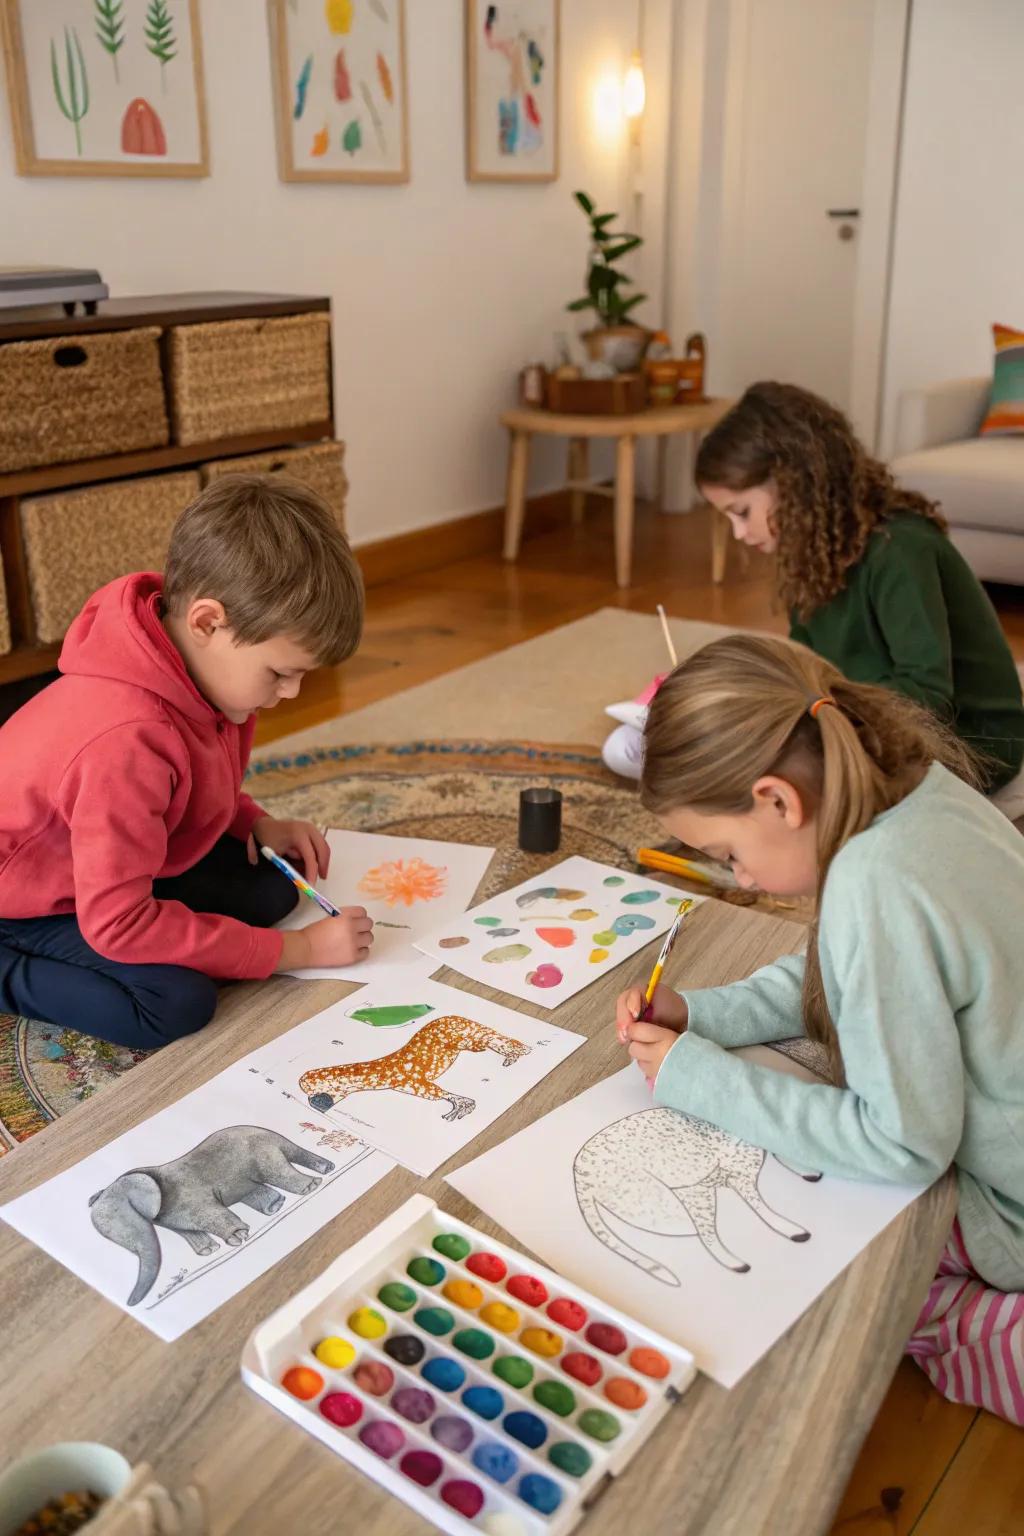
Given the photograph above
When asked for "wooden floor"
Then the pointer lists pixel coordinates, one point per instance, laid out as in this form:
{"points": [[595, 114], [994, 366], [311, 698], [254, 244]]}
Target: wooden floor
{"points": [[927, 1468]]}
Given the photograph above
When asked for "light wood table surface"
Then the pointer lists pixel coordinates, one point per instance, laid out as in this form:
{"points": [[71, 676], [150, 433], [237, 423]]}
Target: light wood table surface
{"points": [[769, 1458], [659, 422]]}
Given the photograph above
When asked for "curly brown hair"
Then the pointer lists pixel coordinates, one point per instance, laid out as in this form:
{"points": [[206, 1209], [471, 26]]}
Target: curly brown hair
{"points": [[832, 494]]}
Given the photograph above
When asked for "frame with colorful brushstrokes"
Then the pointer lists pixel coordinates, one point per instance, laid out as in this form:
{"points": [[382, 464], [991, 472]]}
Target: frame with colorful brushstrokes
{"points": [[340, 90], [513, 63], [106, 87]]}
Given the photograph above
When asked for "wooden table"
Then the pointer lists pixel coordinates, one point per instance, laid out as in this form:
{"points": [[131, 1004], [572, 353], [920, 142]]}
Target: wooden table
{"points": [[770, 1457], [660, 423]]}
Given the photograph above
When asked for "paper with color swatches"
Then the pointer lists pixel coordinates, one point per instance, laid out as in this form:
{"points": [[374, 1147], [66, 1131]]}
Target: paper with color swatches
{"points": [[548, 938]]}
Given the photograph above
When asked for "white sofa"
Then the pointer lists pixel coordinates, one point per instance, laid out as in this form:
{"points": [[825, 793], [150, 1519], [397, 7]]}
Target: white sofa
{"points": [[979, 481]]}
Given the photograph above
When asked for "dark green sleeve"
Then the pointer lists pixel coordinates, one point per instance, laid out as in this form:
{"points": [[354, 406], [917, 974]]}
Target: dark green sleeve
{"points": [[910, 609], [800, 633]]}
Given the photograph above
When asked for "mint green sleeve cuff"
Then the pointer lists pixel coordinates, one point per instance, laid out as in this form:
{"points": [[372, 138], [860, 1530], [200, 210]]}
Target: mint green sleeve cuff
{"points": [[764, 1007], [813, 1124]]}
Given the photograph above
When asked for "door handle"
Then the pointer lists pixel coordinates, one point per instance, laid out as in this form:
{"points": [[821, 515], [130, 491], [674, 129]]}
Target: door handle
{"points": [[843, 213]]}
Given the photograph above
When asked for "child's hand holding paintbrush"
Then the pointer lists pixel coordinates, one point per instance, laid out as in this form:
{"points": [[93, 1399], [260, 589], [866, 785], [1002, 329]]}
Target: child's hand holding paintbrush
{"points": [[648, 1021]]}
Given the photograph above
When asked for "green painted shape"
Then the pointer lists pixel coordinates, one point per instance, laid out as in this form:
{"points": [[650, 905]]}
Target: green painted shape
{"points": [[397, 1296], [425, 1271], [605, 938], [570, 1458], [72, 99], [614, 880], [434, 1320], [352, 138], [487, 922], [599, 1425], [556, 1397], [514, 1370], [474, 1343], [159, 31], [452, 1244], [507, 952], [392, 1016]]}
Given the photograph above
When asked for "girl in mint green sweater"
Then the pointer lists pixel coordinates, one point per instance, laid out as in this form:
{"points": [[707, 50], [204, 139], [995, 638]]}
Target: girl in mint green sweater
{"points": [[761, 754]]}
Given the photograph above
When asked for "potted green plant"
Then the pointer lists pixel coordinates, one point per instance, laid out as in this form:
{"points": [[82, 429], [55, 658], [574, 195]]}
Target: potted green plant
{"points": [[615, 339]]}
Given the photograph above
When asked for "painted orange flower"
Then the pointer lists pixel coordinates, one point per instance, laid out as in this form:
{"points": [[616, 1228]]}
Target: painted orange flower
{"points": [[403, 882]]}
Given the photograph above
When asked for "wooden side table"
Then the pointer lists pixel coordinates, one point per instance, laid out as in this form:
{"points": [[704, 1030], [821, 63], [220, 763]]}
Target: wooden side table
{"points": [[660, 422]]}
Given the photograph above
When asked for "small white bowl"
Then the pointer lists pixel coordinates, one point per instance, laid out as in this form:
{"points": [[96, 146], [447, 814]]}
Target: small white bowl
{"points": [[73, 1467]]}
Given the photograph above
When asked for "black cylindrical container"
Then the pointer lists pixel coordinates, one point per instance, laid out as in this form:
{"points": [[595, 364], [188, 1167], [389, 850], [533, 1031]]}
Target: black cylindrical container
{"points": [[540, 820]]}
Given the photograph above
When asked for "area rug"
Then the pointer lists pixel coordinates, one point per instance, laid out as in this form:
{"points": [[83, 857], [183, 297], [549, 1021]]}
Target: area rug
{"points": [[552, 688], [456, 791]]}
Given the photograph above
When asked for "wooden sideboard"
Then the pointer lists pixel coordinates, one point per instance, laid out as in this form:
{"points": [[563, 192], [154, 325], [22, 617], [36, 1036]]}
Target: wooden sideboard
{"points": [[28, 657]]}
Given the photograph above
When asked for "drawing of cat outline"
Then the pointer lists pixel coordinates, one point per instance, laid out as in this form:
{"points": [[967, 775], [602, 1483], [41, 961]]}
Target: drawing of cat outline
{"points": [[647, 1168]]}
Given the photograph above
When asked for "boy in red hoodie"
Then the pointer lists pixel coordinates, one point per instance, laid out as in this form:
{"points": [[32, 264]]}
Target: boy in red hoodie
{"points": [[130, 876]]}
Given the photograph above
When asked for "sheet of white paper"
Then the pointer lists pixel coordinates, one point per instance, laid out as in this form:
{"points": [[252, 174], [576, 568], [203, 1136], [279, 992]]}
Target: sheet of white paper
{"points": [[778, 1238], [232, 1143], [547, 939], [416, 1070], [406, 884]]}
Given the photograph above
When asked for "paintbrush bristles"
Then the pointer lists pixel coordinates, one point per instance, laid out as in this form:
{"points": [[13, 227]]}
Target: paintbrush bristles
{"points": [[668, 637]]}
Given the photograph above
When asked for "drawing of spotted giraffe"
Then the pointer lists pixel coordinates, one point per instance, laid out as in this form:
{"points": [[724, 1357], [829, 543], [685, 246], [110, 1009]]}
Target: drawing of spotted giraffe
{"points": [[415, 1067]]}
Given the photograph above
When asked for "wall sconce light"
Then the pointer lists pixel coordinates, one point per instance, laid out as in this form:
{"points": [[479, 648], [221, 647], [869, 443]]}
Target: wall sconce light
{"points": [[634, 89]]}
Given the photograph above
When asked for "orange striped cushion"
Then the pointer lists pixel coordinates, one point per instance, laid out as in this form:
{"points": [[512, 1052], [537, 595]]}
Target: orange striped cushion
{"points": [[1006, 406]]}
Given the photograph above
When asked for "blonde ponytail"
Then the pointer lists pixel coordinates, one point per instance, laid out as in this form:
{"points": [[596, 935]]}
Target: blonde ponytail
{"points": [[741, 709]]}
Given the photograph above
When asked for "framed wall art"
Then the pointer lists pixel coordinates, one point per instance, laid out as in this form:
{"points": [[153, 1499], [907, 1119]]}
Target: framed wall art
{"points": [[512, 106], [340, 89], [106, 87]]}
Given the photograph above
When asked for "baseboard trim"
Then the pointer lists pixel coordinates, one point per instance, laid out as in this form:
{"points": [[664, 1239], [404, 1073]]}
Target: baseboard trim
{"points": [[407, 554]]}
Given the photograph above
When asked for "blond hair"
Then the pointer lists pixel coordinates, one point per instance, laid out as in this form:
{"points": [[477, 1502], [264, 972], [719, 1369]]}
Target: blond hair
{"points": [[271, 551], [740, 709]]}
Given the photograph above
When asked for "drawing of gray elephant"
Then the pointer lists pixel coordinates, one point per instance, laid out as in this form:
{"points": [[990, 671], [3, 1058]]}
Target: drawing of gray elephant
{"points": [[654, 1168], [193, 1195]]}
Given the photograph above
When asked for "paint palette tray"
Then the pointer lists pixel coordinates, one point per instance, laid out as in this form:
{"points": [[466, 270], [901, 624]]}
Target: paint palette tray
{"points": [[481, 1389]]}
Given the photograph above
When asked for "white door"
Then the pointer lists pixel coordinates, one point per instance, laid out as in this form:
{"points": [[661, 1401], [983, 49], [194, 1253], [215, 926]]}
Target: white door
{"points": [[798, 79]]}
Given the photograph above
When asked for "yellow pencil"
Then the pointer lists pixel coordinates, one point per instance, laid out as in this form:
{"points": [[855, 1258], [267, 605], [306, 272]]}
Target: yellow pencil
{"points": [[663, 954], [668, 863]]}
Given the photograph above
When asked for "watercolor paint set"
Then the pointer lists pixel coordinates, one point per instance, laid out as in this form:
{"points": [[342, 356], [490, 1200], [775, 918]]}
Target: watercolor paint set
{"points": [[477, 1386]]}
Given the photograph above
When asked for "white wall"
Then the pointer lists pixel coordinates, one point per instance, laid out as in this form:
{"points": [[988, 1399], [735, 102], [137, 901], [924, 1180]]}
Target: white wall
{"points": [[441, 290], [959, 237]]}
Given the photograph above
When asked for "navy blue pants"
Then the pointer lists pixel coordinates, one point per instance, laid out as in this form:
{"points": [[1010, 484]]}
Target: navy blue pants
{"points": [[49, 972]]}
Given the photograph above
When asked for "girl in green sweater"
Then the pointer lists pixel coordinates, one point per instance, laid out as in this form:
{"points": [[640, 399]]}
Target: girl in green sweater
{"points": [[761, 753], [865, 570]]}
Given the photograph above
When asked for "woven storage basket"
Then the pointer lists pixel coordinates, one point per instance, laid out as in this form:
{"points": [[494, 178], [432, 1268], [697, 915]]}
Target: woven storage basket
{"points": [[80, 397], [320, 466], [237, 376], [75, 541], [5, 618]]}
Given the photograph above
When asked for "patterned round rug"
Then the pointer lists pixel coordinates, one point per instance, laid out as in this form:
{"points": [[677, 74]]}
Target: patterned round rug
{"points": [[454, 791]]}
